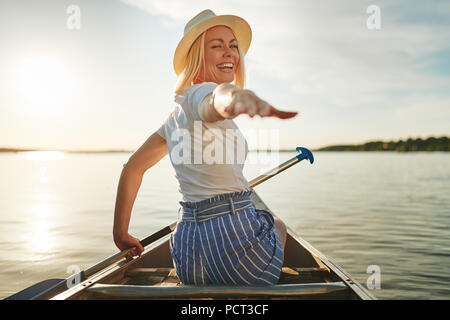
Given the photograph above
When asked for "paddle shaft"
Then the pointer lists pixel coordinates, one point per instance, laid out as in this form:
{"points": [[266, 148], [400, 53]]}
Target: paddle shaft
{"points": [[287, 164]]}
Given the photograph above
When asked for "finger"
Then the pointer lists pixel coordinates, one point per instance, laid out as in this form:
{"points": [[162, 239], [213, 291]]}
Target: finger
{"points": [[129, 257], [140, 249], [282, 114], [252, 109], [285, 114]]}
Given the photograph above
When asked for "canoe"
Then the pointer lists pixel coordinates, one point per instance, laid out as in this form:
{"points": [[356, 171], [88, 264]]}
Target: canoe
{"points": [[306, 274]]}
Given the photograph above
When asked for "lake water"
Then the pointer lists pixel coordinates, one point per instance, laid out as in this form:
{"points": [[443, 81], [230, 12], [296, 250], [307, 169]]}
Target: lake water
{"points": [[387, 209]]}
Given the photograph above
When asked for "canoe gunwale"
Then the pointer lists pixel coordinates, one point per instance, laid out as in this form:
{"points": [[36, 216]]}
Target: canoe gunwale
{"points": [[346, 278]]}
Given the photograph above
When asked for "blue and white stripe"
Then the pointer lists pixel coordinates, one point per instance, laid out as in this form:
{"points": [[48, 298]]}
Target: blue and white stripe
{"points": [[226, 240]]}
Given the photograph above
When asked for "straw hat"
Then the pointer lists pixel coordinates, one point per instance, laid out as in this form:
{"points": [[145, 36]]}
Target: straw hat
{"points": [[202, 22]]}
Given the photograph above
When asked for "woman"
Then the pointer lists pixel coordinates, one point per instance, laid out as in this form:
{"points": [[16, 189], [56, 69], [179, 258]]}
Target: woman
{"points": [[220, 238]]}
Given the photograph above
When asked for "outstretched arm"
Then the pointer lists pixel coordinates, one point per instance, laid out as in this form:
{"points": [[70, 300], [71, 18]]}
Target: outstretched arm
{"points": [[228, 101], [153, 150]]}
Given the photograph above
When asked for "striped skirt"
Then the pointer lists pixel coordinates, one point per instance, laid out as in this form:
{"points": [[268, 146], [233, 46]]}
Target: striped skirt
{"points": [[225, 240]]}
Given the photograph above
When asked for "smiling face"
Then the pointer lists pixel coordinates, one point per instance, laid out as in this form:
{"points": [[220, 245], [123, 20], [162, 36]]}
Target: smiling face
{"points": [[221, 56]]}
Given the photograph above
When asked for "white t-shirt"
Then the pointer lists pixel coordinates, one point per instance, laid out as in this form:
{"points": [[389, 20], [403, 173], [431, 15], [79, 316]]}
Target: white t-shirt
{"points": [[208, 157]]}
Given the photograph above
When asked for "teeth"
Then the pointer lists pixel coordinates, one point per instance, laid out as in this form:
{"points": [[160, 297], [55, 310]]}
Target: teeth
{"points": [[229, 65]]}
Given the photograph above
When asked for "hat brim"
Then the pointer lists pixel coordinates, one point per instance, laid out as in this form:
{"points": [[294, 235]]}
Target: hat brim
{"points": [[239, 26]]}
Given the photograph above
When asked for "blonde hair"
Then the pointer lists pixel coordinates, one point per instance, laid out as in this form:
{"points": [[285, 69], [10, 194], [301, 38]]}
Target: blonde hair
{"points": [[196, 58]]}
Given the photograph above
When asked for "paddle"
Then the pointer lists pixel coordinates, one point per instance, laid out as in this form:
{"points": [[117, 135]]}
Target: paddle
{"points": [[49, 288]]}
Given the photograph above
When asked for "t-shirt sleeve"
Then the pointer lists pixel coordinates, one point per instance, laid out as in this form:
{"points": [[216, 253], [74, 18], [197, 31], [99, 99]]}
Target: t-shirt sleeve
{"points": [[163, 129], [196, 96]]}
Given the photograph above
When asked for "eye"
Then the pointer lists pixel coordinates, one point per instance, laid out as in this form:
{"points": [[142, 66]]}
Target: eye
{"points": [[219, 46]]}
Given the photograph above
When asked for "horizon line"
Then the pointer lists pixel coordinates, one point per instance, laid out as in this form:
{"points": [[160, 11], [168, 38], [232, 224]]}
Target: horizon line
{"points": [[16, 149]]}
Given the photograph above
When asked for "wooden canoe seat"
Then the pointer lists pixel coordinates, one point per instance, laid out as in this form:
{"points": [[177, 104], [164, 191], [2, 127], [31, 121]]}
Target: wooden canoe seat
{"points": [[164, 277], [168, 276]]}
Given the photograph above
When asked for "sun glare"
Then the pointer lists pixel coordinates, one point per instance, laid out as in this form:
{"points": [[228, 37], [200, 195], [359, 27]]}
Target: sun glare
{"points": [[41, 240], [44, 156], [44, 80]]}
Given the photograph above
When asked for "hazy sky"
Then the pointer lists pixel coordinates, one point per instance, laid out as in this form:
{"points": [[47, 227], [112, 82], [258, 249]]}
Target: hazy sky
{"points": [[110, 83]]}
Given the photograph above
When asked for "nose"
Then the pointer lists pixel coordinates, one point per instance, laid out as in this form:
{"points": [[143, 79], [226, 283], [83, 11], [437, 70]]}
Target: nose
{"points": [[228, 52]]}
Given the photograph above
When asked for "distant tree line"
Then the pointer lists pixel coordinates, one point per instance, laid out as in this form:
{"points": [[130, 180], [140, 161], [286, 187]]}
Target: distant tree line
{"points": [[430, 144]]}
